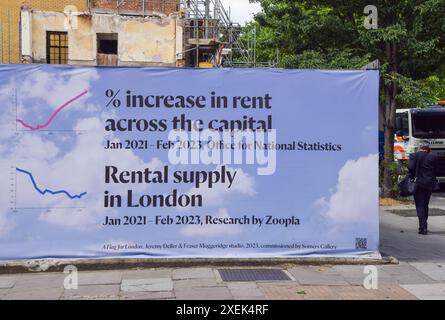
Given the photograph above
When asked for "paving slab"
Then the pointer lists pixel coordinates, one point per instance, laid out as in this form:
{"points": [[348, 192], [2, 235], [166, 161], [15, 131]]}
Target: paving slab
{"points": [[241, 285], [396, 269], [355, 281], [318, 293], [4, 292], [350, 271], [242, 290], [147, 295], [150, 285], [355, 293], [246, 298], [190, 283], [297, 292], [434, 270], [317, 276], [203, 293], [354, 275], [7, 282], [44, 294], [39, 281], [251, 294], [434, 291], [99, 278], [281, 291], [394, 292], [146, 274], [404, 273], [111, 297], [92, 292], [197, 273], [389, 281]]}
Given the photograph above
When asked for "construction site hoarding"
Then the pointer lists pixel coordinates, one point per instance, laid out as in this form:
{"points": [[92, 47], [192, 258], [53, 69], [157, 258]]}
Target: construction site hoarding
{"points": [[196, 163]]}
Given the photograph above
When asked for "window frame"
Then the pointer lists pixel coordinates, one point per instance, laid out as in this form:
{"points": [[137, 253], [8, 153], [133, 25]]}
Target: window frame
{"points": [[49, 46]]}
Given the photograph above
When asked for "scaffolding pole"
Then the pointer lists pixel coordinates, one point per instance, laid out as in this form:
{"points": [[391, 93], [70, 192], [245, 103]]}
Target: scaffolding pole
{"points": [[210, 25]]}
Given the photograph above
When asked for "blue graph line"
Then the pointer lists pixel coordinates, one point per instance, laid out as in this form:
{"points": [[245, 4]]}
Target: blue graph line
{"points": [[47, 190]]}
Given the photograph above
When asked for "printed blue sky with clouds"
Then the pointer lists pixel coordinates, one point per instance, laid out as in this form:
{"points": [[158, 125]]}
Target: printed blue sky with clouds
{"points": [[333, 193]]}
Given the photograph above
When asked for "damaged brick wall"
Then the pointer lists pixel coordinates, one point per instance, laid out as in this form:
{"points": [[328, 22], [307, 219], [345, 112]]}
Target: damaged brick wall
{"points": [[164, 6], [10, 22], [141, 41]]}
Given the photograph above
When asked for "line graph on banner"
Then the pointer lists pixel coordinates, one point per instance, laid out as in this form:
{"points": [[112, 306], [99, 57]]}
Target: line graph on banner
{"points": [[28, 177], [51, 124]]}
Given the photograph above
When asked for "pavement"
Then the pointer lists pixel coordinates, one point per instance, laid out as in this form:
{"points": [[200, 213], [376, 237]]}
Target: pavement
{"points": [[420, 274]]}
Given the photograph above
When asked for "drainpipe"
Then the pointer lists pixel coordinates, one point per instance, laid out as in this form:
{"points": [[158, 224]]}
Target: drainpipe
{"points": [[207, 17], [25, 35]]}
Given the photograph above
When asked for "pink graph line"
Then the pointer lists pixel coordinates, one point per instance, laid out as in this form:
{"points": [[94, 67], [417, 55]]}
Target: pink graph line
{"points": [[42, 126]]}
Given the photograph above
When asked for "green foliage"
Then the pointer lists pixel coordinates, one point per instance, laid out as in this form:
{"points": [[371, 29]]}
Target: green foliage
{"points": [[397, 171], [420, 93], [336, 59], [329, 34], [394, 169]]}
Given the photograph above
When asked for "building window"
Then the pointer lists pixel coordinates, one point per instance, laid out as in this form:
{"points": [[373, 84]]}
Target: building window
{"points": [[57, 47], [107, 43]]}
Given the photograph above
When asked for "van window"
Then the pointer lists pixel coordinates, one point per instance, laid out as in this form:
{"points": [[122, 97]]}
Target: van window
{"points": [[402, 124]]}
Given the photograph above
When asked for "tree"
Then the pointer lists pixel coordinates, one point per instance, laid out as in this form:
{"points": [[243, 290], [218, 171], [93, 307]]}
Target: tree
{"points": [[409, 43]]}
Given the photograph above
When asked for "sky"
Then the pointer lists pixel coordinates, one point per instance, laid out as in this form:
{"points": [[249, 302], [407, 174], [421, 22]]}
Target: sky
{"points": [[241, 10]]}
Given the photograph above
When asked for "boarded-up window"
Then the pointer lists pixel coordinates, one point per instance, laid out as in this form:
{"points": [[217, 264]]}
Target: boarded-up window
{"points": [[107, 43], [57, 47], [107, 49]]}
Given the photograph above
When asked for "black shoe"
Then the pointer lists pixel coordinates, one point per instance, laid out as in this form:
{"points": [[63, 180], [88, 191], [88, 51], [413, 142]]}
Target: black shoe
{"points": [[423, 232]]}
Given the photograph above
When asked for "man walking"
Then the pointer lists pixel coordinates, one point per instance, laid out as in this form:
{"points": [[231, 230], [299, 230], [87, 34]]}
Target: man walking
{"points": [[423, 165]]}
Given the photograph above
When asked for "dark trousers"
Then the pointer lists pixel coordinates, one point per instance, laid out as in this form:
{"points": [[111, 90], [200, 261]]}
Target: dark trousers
{"points": [[422, 198]]}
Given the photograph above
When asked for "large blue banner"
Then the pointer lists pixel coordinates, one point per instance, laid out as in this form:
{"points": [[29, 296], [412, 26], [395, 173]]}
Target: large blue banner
{"points": [[160, 162]]}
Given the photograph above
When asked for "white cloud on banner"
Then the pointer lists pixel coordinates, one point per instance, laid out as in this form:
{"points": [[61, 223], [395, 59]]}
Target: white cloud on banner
{"points": [[356, 196], [66, 85]]}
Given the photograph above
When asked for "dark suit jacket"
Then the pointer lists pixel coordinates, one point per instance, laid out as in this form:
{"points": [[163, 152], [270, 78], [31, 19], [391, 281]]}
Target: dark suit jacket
{"points": [[427, 171]]}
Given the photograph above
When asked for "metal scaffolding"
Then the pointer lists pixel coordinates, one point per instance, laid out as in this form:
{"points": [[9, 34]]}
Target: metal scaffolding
{"points": [[211, 37]]}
